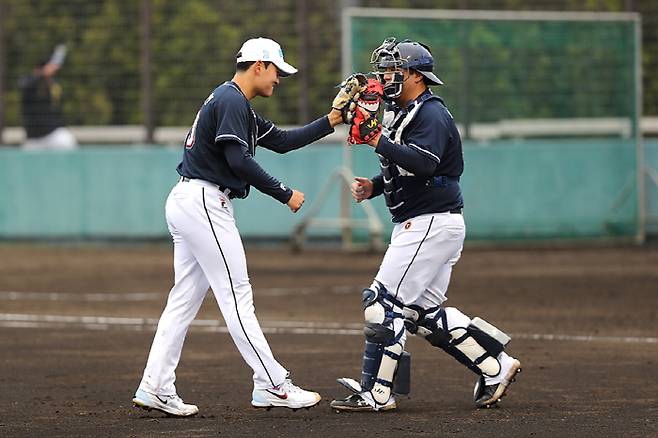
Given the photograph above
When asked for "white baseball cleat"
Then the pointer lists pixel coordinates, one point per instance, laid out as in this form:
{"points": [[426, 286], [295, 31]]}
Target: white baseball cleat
{"points": [[286, 395], [169, 404]]}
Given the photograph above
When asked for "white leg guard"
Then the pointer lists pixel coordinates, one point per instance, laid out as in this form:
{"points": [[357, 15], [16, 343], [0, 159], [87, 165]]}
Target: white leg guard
{"points": [[383, 345], [381, 390], [475, 343], [466, 344]]}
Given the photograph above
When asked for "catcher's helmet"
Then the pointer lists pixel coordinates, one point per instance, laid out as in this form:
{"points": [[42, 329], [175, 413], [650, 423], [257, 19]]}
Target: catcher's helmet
{"points": [[402, 55]]}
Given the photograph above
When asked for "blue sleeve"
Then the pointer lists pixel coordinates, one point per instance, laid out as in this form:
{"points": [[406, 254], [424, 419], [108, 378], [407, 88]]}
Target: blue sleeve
{"points": [[409, 156], [282, 141], [377, 185], [242, 163], [232, 116], [423, 144]]}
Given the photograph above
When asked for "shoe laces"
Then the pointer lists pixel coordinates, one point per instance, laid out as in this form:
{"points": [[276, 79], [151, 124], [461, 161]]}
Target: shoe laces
{"points": [[288, 386], [175, 398]]}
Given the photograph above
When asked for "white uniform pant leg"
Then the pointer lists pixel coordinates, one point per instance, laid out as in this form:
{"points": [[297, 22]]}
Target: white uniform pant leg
{"points": [[217, 246], [421, 255], [185, 298]]}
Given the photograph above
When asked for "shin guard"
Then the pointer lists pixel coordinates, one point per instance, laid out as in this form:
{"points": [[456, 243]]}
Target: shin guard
{"points": [[476, 346], [383, 346]]}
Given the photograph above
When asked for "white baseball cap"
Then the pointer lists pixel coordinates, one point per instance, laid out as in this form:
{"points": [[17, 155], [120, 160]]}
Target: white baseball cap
{"points": [[265, 49]]}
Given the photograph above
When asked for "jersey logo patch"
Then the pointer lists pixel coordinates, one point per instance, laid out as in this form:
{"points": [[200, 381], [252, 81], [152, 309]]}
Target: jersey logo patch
{"points": [[407, 225]]}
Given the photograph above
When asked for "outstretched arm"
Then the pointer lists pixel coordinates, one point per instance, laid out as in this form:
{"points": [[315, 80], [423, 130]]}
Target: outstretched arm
{"points": [[342, 110], [282, 141]]}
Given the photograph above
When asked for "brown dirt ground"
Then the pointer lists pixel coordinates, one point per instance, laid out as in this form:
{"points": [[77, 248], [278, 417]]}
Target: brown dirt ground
{"points": [[71, 381]]}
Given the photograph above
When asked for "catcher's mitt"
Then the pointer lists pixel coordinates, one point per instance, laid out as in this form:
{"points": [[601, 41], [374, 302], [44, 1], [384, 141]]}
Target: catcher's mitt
{"points": [[366, 123], [350, 90]]}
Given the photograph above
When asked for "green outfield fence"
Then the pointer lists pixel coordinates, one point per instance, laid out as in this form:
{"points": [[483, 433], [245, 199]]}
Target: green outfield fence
{"points": [[513, 190]]}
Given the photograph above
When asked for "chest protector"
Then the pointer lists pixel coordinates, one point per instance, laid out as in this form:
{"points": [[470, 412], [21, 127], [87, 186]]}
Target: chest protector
{"points": [[400, 184]]}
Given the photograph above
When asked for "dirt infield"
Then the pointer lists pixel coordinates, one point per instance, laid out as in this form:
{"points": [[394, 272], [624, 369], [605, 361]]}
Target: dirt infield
{"points": [[584, 323]]}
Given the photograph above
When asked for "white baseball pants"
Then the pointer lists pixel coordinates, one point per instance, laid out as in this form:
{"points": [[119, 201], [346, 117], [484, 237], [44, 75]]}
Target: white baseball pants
{"points": [[208, 252], [417, 265]]}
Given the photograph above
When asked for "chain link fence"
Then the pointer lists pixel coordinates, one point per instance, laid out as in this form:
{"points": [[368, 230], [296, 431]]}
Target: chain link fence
{"points": [[150, 63]]}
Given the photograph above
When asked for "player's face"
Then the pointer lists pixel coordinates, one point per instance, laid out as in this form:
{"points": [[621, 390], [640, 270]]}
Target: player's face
{"points": [[268, 79], [390, 73]]}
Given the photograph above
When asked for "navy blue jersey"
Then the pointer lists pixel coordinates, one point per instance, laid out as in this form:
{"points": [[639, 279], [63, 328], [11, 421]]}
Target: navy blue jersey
{"points": [[421, 159], [41, 104], [221, 144]]}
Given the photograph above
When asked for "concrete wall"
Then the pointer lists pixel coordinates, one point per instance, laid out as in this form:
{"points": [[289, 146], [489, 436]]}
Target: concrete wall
{"points": [[513, 190]]}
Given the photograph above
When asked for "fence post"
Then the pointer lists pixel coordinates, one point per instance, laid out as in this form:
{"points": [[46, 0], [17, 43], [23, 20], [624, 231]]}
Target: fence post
{"points": [[147, 82], [3, 59], [465, 98], [303, 114]]}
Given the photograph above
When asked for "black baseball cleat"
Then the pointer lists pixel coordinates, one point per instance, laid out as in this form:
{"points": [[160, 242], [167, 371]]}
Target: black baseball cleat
{"points": [[487, 396], [356, 403]]}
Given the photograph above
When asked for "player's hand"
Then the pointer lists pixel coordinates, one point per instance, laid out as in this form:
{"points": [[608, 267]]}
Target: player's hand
{"points": [[365, 129], [335, 117], [296, 200], [50, 69], [361, 189]]}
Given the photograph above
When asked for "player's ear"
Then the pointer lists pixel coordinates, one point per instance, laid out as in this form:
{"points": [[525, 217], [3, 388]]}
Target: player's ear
{"points": [[258, 67]]}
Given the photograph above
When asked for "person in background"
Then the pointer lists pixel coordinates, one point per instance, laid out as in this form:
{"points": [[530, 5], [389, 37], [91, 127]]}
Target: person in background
{"points": [[41, 98]]}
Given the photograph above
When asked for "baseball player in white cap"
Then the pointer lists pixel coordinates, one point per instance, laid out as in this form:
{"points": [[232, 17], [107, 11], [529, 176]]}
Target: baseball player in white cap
{"points": [[217, 167]]}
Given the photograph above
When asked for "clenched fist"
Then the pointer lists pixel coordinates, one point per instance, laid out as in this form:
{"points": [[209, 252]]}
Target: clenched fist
{"points": [[296, 200], [361, 189]]}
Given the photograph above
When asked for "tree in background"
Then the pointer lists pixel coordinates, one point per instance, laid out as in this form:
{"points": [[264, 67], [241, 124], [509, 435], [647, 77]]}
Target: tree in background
{"points": [[194, 43]]}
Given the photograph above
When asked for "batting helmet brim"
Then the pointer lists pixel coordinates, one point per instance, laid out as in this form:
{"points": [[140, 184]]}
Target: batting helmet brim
{"points": [[431, 77]]}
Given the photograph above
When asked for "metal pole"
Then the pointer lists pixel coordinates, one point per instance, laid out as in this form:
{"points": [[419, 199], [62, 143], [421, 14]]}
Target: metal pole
{"points": [[347, 67], [641, 193], [3, 62], [147, 83], [303, 115], [466, 78]]}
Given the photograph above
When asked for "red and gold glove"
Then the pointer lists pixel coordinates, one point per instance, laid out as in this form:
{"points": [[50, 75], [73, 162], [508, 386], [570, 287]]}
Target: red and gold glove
{"points": [[366, 123]]}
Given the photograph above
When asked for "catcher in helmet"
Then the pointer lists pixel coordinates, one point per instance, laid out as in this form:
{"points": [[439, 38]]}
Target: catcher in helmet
{"points": [[421, 163]]}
